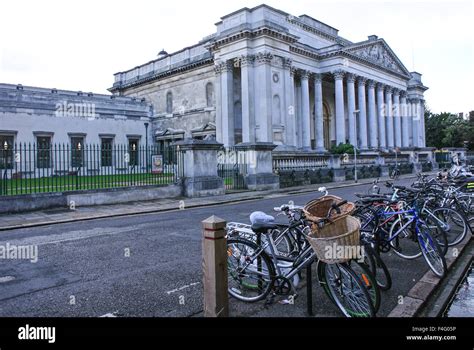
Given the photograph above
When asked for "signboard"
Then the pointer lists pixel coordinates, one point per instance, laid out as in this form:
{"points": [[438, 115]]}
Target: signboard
{"points": [[157, 164]]}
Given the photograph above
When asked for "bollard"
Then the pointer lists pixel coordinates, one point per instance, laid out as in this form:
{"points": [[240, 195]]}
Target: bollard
{"points": [[214, 266]]}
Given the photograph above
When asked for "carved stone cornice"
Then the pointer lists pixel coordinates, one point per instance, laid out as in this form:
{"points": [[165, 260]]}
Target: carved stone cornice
{"points": [[338, 74], [263, 57]]}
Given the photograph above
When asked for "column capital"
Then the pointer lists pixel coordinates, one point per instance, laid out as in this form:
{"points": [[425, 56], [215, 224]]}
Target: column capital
{"points": [[403, 93], [388, 89], [246, 60], [226, 66], [380, 86], [361, 81], [264, 57], [338, 74], [318, 77], [293, 71], [350, 77], [304, 74], [396, 92], [287, 62], [414, 100], [371, 83]]}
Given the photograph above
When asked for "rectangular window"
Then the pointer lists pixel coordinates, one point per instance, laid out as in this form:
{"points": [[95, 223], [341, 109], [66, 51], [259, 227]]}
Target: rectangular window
{"points": [[106, 151], [6, 152], [133, 152], [77, 152], [43, 152]]}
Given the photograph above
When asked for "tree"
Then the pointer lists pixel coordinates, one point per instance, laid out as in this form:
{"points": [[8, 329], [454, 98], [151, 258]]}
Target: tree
{"points": [[448, 130]]}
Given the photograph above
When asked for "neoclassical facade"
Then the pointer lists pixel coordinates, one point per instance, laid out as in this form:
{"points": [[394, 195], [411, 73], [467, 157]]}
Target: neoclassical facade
{"points": [[268, 76]]}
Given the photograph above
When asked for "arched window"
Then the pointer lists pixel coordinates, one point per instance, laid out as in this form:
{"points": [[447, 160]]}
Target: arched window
{"points": [[210, 99], [169, 102]]}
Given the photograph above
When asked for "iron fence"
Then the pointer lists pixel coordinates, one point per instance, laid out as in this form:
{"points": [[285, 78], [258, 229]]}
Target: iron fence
{"points": [[32, 168]]}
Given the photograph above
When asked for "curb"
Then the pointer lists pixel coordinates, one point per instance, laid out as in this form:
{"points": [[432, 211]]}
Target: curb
{"points": [[419, 295], [202, 205]]}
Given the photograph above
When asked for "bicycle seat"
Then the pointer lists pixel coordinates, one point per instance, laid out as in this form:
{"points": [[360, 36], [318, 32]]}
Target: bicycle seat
{"points": [[263, 227]]}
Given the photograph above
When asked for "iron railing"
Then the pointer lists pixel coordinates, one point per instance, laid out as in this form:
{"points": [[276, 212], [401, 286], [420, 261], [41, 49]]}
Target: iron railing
{"points": [[29, 168]]}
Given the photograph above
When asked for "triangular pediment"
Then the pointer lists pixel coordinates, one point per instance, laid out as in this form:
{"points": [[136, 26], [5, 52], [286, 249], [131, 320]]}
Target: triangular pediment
{"points": [[379, 53]]}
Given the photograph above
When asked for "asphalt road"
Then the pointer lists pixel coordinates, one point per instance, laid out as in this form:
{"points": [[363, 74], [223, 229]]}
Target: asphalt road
{"points": [[147, 265]]}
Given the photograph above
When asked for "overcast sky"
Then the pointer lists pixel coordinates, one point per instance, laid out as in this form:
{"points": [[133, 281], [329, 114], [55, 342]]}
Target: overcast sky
{"points": [[79, 45]]}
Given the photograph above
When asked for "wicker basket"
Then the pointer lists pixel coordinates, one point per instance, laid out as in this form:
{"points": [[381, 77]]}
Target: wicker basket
{"points": [[318, 208], [338, 241]]}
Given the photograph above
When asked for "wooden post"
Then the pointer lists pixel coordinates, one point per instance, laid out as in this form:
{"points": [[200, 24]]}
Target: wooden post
{"points": [[214, 266]]}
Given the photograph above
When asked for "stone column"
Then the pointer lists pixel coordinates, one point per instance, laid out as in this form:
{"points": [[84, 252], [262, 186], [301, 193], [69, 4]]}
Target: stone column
{"points": [[227, 97], [259, 163], [389, 116], [248, 108], [381, 116], [404, 116], [306, 123], [410, 123], [422, 124], [217, 70], [290, 112], [318, 113], [263, 96], [362, 120], [416, 122], [350, 79], [372, 115], [396, 118], [200, 168], [340, 122]]}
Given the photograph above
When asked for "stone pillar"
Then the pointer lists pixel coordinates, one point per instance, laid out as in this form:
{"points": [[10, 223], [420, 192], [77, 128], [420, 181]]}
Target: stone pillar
{"points": [[416, 122], [248, 108], [362, 120], [350, 79], [340, 120], [290, 112], [306, 123], [339, 174], [200, 168], [422, 125], [259, 161], [381, 116], [389, 116], [396, 118], [410, 123], [217, 70], [372, 115], [227, 97], [318, 113], [263, 96], [404, 117]]}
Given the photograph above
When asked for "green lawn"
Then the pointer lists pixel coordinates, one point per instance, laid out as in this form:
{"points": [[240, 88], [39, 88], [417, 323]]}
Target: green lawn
{"points": [[73, 183]]}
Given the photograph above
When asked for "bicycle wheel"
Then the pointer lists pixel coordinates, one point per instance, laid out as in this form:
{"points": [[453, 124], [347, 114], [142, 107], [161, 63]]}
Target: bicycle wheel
{"points": [[368, 219], [404, 243], [250, 270], [367, 278], [377, 267], [452, 223], [467, 202], [432, 253], [347, 291]]}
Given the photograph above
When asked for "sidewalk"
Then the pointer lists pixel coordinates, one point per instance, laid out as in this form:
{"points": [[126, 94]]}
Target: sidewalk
{"points": [[64, 215]]}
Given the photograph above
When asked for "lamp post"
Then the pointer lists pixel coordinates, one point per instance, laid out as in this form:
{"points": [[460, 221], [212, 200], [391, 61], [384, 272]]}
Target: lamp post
{"points": [[146, 146], [356, 113]]}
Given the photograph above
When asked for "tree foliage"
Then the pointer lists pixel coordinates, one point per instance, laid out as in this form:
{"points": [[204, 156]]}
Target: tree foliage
{"points": [[448, 130]]}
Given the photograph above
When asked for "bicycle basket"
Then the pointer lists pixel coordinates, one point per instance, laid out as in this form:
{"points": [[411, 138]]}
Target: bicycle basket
{"points": [[337, 241], [318, 208]]}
